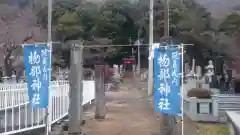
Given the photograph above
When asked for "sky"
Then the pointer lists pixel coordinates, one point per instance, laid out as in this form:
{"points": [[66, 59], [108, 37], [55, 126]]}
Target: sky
{"points": [[220, 8]]}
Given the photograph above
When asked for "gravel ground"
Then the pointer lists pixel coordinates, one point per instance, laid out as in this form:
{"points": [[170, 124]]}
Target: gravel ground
{"points": [[130, 112]]}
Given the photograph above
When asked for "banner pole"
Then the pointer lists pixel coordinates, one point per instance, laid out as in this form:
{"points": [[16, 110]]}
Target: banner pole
{"points": [[48, 112], [49, 108], [182, 82]]}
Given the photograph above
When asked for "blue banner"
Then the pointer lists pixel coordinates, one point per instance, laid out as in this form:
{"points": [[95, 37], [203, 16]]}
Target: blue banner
{"points": [[167, 80], [37, 65]]}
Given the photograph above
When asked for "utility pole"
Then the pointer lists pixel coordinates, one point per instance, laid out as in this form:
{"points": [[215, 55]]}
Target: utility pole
{"points": [[150, 61], [76, 91], [165, 119], [49, 20], [166, 18]]}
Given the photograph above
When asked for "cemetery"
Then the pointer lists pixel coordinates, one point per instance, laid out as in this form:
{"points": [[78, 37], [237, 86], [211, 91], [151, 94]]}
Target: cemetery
{"points": [[205, 102]]}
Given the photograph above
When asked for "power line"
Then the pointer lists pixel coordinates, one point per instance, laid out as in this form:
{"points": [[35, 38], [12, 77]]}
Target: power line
{"points": [[129, 45], [101, 46]]}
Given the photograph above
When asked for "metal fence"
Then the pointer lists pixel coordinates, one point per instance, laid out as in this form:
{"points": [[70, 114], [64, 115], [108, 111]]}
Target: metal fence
{"points": [[17, 115]]}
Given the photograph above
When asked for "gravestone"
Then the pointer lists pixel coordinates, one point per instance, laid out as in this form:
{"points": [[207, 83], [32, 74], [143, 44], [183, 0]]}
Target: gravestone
{"points": [[134, 70], [121, 69], [185, 72], [13, 78], [116, 75], [5, 79], [116, 69], [232, 86], [193, 65], [230, 82], [186, 68], [199, 71]]}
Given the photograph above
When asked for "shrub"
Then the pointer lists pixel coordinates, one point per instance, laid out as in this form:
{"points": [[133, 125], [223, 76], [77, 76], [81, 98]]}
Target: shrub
{"points": [[199, 93]]}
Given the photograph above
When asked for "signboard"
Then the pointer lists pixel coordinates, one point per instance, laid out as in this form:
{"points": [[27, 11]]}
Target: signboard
{"points": [[37, 65], [167, 82], [129, 61]]}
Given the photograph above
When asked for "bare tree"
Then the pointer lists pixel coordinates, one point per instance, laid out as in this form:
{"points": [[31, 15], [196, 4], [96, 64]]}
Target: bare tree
{"points": [[17, 27]]}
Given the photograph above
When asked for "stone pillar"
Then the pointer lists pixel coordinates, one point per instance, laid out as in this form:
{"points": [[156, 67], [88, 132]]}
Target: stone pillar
{"points": [[215, 105], [100, 111]]}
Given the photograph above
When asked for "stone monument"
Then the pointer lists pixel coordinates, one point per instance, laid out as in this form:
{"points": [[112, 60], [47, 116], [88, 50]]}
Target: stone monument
{"points": [[191, 73], [199, 72], [210, 72]]}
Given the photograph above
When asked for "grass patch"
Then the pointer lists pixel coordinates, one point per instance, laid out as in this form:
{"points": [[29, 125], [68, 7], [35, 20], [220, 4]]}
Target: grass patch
{"points": [[213, 129]]}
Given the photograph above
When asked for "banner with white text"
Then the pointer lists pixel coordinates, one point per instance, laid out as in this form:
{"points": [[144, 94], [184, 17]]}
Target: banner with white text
{"points": [[167, 80], [37, 65]]}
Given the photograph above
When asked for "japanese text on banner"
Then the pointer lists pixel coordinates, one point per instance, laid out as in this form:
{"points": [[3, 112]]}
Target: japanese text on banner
{"points": [[44, 55], [36, 62], [166, 80], [175, 72], [34, 59], [164, 76]]}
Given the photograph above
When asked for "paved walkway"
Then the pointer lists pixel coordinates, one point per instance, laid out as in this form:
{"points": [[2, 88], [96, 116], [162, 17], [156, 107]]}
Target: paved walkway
{"points": [[130, 112]]}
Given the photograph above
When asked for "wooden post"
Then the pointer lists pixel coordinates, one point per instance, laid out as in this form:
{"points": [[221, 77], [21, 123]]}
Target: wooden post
{"points": [[100, 111]]}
